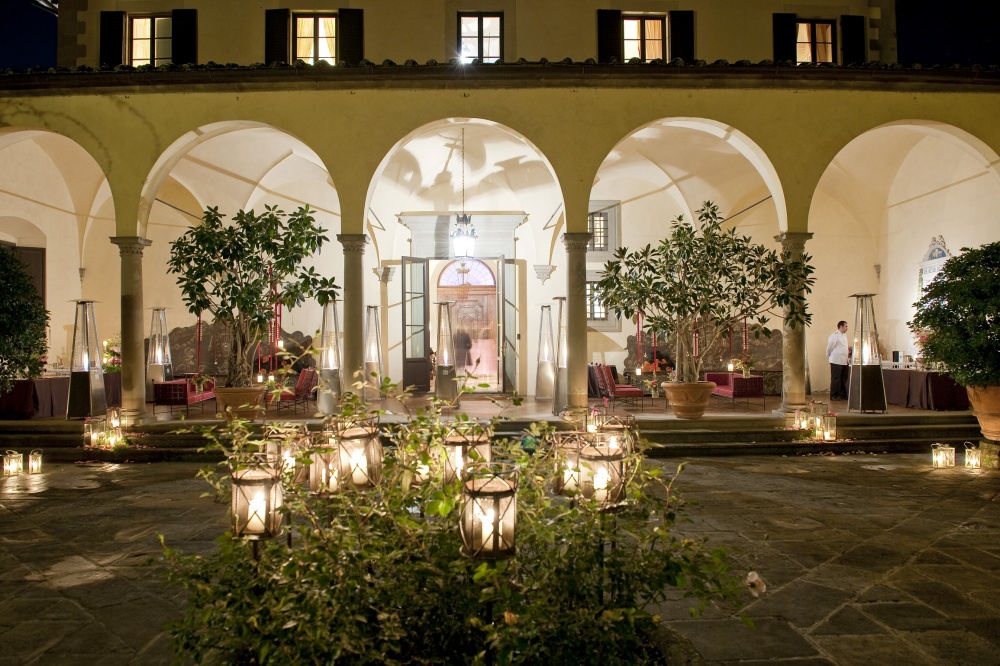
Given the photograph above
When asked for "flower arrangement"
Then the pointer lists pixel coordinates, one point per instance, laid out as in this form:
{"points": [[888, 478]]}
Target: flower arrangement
{"points": [[199, 381], [745, 365], [112, 357]]}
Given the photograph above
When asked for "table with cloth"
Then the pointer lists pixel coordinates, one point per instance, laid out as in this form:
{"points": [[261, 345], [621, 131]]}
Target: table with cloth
{"points": [[924, 389], [46, 397]]}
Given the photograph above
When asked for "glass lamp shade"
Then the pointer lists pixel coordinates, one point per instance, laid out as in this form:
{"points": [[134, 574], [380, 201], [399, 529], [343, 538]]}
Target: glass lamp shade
{"points": [[330, 360], [488, 519], [446, 384], [463, 237], [13, 463], [93, 431], [466, 444], [602, 474], [373, 354], [35, 462], [86, 381], [942, 455], [256, 503], [352, 456], [545, 375], [159, 342], [973, 457]]}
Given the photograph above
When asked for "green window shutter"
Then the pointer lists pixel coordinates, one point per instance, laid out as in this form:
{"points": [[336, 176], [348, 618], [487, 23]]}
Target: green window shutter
{"points": [[682, 35], [784, 37], [184, 43], [854, 39], [609, 35], [350, 35], [276, 37], [112, 39]]}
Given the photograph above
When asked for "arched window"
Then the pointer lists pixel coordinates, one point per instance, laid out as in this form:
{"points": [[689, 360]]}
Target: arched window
{"points": [[467, 271]]}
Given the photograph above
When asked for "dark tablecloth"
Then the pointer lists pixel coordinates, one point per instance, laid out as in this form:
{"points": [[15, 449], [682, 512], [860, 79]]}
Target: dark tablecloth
{"points": [[46, 397], [922, 389]]}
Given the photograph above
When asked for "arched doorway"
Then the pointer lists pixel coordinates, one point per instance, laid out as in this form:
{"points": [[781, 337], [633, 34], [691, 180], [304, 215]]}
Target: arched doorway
{"points": [[471, 287]]}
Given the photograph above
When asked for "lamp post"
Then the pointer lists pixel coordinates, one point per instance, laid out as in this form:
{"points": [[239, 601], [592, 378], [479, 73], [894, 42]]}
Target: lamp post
{"points": [[86, 376], [330, 362], [867, 389], [159, 366]]}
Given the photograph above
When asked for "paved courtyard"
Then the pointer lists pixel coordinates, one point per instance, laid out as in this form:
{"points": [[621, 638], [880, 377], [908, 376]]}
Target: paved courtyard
{"points": [[867, 560]]}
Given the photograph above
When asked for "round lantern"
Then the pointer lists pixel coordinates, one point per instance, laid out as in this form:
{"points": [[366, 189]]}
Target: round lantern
{"points": [[602, 474], [567, 447], [489, 511], [256, 500], [464, 444], [351, 455]]}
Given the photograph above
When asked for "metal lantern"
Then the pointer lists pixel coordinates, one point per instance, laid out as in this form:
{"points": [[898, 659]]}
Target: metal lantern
{"points": [[257, 497], [159, 366], [867, 388], [545, 376], [943, 455], [620, 431], [829, 428], [465, 444], [351, 456], [567, 447], [86, 376], [330, 362], [489, 512], [446, 383], [373, 355], [324, 473], [13, 463], [973, 456], [602, 474], [35, 462], [561, 391]]}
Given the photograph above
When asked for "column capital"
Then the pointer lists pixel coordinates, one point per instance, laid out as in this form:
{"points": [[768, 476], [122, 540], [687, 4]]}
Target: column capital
{"points": [[354, 243], [794, 241], [131, 245], [577, 241]]}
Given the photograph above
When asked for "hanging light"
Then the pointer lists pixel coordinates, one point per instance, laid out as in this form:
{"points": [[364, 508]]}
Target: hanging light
{"points": [[464, 236]]}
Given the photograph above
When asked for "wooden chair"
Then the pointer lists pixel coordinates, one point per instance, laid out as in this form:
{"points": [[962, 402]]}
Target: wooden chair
{"points": [[302, 394], [625, 393]]}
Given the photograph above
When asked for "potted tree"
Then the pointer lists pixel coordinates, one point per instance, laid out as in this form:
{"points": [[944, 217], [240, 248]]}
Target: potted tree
{"points": [[238, 272], [23, 320], [958, 317], [697, 283]]}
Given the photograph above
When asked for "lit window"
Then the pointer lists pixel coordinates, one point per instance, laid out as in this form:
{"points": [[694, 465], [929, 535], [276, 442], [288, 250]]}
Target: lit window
{"points": [[595, 308], [316, 38], [480, 36], [814, 41], [150, 40], [644, 37]]}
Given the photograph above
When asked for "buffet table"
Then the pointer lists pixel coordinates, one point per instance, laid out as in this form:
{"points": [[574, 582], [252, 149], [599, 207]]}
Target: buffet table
{"points": [[922, 389], [46, 397]]}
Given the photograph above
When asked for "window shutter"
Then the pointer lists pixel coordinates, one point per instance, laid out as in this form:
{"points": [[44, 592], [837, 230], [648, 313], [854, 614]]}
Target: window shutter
{"points": [[276, 35], [184, 43], [854, 39], [609, 35], [784, 37], [112, 39], [682, 35], [350, 36]]}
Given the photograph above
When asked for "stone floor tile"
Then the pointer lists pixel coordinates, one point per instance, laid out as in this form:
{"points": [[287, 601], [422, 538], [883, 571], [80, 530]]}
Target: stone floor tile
{"points": [[878, 650], [945, 599], [847, 621], [93, 639], [905, 616], [802, 604], [731, 639], [955, 648]]}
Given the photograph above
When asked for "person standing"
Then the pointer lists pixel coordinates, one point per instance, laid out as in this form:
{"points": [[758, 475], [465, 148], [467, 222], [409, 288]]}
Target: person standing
{"points": [[839, 355]]}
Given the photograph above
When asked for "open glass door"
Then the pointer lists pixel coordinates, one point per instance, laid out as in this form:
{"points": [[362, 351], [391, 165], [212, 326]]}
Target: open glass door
{"points": [[507, 322], [416, 333]]}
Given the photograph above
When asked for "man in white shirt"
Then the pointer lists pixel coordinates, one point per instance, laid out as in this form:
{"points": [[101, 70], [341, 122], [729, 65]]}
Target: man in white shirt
{"points": [[839, 355]]}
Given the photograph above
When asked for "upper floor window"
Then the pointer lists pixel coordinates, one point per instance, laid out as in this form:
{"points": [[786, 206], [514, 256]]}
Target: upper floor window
{"points": [[480, 36], [602, 223], [150, 40], [814, 41], [597, 226], [315, 38], [644, 37]]}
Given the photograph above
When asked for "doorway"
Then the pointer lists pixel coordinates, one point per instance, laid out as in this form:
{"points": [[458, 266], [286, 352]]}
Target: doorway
{"points": [[471, 287]]}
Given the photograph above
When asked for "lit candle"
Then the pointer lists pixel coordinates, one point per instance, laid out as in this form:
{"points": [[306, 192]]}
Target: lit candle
{"points": [[570, 477], [260, 379], [255, 514], [827, 435], [359, 467], [423, 472], [730, 367], [638, 372], [591, 427], [613, 442], [281, 344], [486, 526], [270, 378], [601, 485]]}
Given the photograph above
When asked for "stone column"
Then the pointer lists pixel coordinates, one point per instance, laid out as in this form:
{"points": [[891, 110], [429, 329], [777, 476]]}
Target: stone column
{"points": [[793, 340], [133, 355], [353, 294], [576, 316]]}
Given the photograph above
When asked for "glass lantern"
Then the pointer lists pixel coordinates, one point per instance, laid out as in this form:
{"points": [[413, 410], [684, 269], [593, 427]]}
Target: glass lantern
{"points": [[373, 355], [489, 512], [942, 455], [465, 444], [621, 430], [973, 456], [561, 391], [352, 456], [256, 500], [602, 474], [829, 428], [159, 366], [86, 377], [330, 361], [93, 432], [567, 447], [446, 382], [867, 389], [35, 462], [13, 463], [545, 375]]}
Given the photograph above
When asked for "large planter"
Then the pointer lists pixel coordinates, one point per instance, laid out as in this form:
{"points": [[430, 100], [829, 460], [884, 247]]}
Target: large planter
{"points": [[986, 406], [245, 402], [688, 400]]}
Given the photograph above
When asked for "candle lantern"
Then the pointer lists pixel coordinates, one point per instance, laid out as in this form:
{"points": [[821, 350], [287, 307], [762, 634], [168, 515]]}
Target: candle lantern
{"points": [[621, 431], [817, 411], [113, 437], [159, 367], [602, 473], [943, 455], [330, 362], [352, 455], [561, 390], [567, 447], [35, 462], [489, 512], [829, 428], [114, 417], [13, 463], [86, 377], [867, 388], [466, 443], [324, 473], [545, 375], [93, 432], [373, 355], [446, 376], [730, 367], [257, 497], [973, 456]]}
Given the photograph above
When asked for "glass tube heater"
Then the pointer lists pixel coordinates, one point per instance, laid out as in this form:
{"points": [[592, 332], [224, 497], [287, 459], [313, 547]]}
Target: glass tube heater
{"points": [[867, 389], [86, 378]]}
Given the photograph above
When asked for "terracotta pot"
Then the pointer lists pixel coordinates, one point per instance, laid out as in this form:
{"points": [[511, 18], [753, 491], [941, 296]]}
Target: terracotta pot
{"points": [[688, 400], [986, 406], [245, 402]]}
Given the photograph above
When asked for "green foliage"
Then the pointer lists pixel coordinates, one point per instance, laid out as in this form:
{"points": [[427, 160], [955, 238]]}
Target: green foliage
{"points": [[703, 280], [377, 576], [239, 272], [23, 319], [960, 313]]}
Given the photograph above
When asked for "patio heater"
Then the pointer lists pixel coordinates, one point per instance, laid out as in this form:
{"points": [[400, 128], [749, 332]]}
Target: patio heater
{"points": [[445, 384], [373, 355], [545, 377], [562, 361], [159, 367], [867, 390], [86, 376], [330, 364]]}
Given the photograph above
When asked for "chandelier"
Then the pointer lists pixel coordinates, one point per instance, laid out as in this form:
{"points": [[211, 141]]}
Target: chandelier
{"points": [[464, 236]]}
